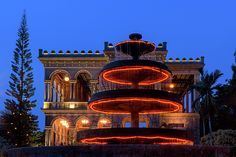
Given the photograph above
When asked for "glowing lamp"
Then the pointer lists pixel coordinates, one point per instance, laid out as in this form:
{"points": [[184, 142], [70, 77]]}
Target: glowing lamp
{"points": [[172, 85], [103, 121], [85, 121], [64, 123], [66, 78], [72, 106]]}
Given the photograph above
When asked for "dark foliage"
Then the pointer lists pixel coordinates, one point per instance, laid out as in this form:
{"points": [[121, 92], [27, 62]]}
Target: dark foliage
{"points": [[226, 104], [20, 123]]}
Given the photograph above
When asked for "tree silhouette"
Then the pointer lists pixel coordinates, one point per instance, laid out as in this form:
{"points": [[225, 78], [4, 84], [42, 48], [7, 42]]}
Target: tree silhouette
{"points": [[20, 124]]}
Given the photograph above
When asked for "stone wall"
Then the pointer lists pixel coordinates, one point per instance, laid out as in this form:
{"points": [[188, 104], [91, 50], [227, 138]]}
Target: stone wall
{"points": [[125, 151], [188, 121]]}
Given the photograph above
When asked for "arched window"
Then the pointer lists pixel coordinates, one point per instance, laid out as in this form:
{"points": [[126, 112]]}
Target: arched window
{"points": [[60, 86], [82, 123], [60, 132], [83, 91], [104, 123]]}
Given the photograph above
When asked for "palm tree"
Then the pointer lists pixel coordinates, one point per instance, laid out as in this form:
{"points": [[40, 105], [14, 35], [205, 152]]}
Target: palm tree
{"points": [[205, 103]]}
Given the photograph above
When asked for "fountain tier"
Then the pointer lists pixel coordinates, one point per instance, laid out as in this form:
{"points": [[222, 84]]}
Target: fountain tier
{"points": [[135, 101], [135, 72]]}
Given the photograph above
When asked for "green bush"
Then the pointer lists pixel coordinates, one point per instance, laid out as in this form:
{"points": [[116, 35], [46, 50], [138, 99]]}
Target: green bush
{"points": [[221, 137]]}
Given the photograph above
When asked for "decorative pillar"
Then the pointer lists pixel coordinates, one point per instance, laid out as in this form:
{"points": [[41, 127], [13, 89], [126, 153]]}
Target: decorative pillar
{"points": [[74, 90], [134, 119], [192, 100], [46, 137], [45, 91], [187, 102], [71, 90], [71, 135], [93, 86], [49, 137], [183, 102], [74, 136]]}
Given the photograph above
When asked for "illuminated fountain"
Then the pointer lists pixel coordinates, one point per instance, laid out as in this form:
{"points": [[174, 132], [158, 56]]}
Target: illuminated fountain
{"points": [[138, 97]]}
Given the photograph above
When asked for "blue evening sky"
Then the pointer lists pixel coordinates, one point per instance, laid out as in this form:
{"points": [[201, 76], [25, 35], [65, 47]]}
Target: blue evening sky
{"points": [[192, 28]]}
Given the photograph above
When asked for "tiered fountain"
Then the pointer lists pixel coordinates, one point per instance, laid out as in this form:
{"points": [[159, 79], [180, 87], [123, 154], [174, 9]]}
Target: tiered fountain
{"points": [[139, 97], [136, 96]]}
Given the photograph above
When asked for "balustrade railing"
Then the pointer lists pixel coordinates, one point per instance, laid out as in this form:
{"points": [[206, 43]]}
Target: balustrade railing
{"points": [[66, 105]]}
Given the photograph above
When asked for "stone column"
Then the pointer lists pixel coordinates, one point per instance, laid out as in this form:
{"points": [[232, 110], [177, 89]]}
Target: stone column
{"points": [[71, 90], [71, 135], [93, 86], [183, 101], [192, 100], [187, 102], [46, 137], [134, 119], [74, 90], [74, 136], [47, 91]]}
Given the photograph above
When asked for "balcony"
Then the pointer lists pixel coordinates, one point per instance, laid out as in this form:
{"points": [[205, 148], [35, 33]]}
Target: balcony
{"points": [[65, 106]]}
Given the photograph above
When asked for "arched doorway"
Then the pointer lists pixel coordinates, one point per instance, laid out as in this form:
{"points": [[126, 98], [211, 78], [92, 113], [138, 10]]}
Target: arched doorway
{"points": [[104, 123], [60, 132], [83, 91]]}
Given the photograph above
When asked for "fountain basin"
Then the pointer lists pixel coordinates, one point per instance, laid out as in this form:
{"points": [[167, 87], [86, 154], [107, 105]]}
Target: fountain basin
{"points": [[143, 101], [135, 72], [135, 136]]}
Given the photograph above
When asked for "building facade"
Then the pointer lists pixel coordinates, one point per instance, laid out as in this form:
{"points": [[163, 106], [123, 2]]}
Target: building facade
{"points": [[70, 78]]}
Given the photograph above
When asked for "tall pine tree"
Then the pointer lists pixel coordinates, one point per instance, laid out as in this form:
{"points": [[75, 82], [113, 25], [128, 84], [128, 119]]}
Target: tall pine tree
{"points": [[21, 124]]}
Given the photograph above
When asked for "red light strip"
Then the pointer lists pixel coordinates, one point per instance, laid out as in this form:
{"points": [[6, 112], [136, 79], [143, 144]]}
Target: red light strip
{"points": [[165, 75], [93, 105], [135, 41], [95, 140]]}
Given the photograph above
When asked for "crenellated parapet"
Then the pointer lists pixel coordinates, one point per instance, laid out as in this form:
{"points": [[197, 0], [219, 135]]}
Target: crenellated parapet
{"points": [[184, 60], [68, 53]]}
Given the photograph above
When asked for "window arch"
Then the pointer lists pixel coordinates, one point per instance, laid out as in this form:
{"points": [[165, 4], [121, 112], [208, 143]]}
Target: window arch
{"points": [[83, 91], [60, 132], [104, 123], [82, 123], [60, 90]]}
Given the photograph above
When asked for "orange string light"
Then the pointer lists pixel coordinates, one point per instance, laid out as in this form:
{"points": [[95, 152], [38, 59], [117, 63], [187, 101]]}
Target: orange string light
{"points": [[169, 140], [135, 41], [95, 105], [107, 75]]}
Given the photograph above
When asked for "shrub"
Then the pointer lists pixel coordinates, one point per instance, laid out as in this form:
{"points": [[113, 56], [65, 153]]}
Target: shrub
{"points": [[221, 137]]}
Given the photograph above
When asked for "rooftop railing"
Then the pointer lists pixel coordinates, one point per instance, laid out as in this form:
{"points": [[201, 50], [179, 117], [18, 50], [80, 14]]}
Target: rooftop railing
{"points": [[60, 53], [184, 60]]}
